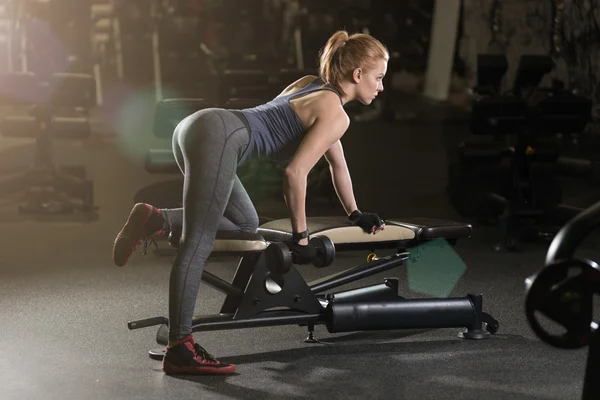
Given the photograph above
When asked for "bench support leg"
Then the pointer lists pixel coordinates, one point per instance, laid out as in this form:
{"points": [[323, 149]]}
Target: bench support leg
{"points": [[267, 290], [240, 280]]}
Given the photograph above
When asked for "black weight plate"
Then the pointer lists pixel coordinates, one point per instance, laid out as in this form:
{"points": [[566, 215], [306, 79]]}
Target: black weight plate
{"points": [[278, 257], [325, 251]]}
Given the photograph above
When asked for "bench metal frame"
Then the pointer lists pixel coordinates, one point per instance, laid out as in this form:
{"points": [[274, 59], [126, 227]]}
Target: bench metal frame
{"points": [[257, 297]]}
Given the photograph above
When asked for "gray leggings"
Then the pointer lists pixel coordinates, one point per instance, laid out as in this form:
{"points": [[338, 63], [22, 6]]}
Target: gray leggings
{"points": [[207, 146]]}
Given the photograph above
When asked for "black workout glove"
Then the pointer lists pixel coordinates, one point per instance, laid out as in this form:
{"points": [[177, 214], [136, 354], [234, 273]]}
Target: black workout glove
{"points": [[302, 254], [365, 220]]}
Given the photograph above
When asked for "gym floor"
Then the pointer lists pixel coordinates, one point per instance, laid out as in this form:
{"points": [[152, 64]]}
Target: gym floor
{"points": [[65, 306]]}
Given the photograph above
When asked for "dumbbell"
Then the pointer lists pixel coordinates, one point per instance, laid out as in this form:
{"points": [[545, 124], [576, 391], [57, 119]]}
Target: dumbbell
{"points": [[325, 251], [279, 256]]}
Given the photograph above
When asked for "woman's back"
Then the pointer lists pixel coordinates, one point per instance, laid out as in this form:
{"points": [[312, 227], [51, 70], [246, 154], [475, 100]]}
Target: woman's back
{"points": [[277, 127], [309, 106]]}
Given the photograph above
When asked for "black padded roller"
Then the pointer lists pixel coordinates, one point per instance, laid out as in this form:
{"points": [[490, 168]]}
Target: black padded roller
{"points": [[399, 314]]}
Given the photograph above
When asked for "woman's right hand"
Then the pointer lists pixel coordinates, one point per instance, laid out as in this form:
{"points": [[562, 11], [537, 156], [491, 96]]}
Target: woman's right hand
{"points": [[302, 253]]}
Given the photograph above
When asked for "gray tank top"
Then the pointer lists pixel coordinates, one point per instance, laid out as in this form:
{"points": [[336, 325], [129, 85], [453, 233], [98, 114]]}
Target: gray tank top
{"points": [[275, 129]]}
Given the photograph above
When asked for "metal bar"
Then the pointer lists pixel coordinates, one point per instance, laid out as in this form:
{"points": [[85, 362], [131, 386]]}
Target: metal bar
{"points": [[118, 48], [144, 323], [575, 166], [99, 88], [157, 67], [257, 322], [240, 281], [220, 284], [299, 48], [205, 319], [356, 273], [162, 335], [573, 233], [591, 384], [386, 291]]}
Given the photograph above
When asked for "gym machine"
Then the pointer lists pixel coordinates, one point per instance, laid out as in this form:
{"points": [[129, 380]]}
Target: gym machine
{"points": [[106, 43], [268, 289], [517, 181], [57, 108], [563, 292]]}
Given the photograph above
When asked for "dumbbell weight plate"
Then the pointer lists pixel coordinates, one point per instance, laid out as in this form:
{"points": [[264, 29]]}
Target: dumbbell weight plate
{"points": [[278, 258], [563, 293], [325, 251]]}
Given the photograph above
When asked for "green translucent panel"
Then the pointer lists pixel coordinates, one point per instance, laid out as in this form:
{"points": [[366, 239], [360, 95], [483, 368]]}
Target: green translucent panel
{"points": [[434, 268]]}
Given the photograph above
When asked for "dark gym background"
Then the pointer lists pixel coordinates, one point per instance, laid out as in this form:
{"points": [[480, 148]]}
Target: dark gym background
{"points": [[65, 306]]}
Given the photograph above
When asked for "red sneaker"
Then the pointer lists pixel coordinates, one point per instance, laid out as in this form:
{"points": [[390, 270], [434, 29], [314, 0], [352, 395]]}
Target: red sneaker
{"points": [[190, 358], [144, 221]]}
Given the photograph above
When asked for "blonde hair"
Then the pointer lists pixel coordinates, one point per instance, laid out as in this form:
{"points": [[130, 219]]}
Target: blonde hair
{"points": [[342, 54]]}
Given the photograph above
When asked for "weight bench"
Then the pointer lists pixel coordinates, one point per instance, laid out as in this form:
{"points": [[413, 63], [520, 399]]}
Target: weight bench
{"points": [[267, 290]]}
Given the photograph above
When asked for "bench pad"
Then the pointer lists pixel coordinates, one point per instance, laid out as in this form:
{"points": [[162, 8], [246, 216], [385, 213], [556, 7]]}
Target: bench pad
{"points": [[341, 232], [239, 242]]}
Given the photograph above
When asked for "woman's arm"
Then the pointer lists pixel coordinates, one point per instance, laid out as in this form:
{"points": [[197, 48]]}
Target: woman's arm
{"points": [[340, 175], [326, 130], [342, 183]]}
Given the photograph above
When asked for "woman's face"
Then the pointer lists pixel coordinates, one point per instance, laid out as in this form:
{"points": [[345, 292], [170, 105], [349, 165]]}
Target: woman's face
{"points": [[370, 81]]}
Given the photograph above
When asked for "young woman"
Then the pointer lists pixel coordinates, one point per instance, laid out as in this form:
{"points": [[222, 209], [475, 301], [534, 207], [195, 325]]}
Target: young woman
{"points": [[305, 122]]}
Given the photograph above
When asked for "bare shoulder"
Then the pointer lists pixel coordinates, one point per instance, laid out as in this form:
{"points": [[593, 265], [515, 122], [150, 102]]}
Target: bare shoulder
{"points": [[299, 84], [329, 106], [305, 80]]}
